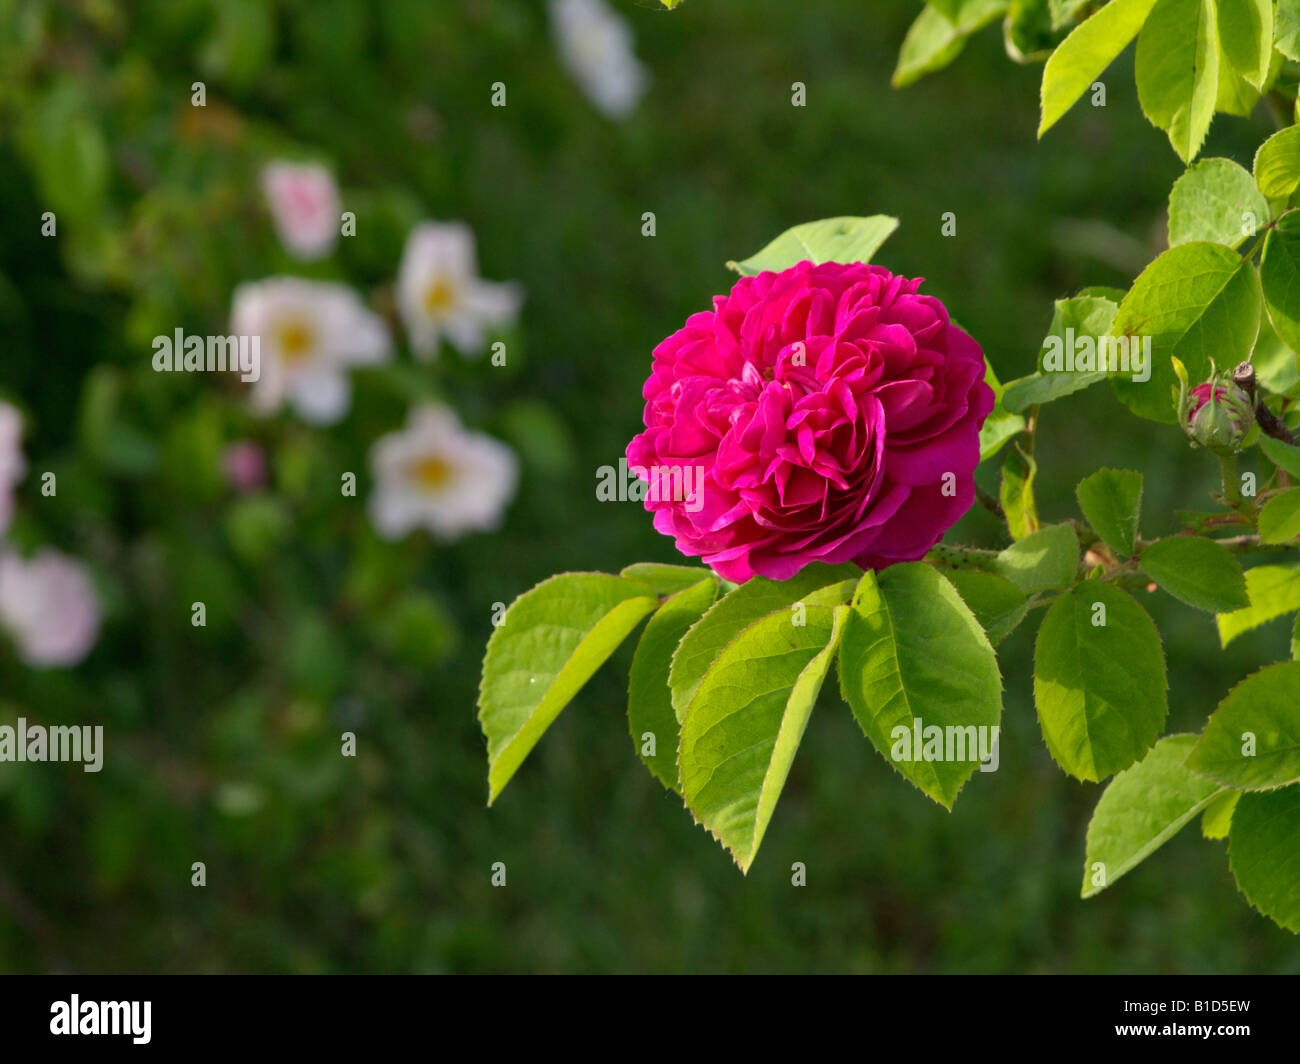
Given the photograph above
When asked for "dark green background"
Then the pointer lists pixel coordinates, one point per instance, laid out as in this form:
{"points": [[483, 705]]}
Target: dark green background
{"points": [[223, 742]]}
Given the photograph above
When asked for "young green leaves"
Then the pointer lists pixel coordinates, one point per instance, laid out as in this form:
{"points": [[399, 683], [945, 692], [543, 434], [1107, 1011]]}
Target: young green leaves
{"points": [[549, 643], [827, 240]]}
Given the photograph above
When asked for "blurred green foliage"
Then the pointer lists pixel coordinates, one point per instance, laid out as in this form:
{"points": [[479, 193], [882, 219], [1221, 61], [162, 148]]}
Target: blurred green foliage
{"points": [[223, 742]]}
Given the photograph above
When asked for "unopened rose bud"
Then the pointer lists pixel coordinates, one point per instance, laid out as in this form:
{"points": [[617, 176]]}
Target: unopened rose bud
{"points": [[1217, 415]]}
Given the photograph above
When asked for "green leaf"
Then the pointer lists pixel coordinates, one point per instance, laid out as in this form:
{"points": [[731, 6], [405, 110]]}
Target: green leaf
{"points": [[1046, 560], [1177, 67], [1216, 200], [998, 604], [1295, 640], [1262, 848], [1279, 520], [1197, 571], [1141, 809], [815, 585], [1195, 301], [1273, 590], [1283, 455], [667, 579], [1277, 164], [1000, 426], [1028, 32], [1252, 740], [829, 240], [746, 721], [649, 698], [914, 658], [670, 4], [1217, 818], [1064, 11], [550, 642], [1286, 31], [938, 35], [1246, 34], [1089, 50], [1111, 500], [1076, 323], [1017, 492], [1279, 275], [1099, 681]]}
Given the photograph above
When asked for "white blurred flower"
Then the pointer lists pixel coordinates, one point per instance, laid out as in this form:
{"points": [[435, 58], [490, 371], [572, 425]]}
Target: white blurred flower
{"points": [[436, 475], [305, 207], [48, 607], [312, 333], [439, 291], [12, 466], [595, 43]]}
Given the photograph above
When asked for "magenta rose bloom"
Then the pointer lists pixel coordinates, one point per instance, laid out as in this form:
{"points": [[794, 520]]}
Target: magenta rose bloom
{"points": [[822, 414]]}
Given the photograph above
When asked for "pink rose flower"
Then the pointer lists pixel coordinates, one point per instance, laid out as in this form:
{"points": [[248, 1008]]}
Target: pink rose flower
{"points": [[305, 207], [48, 607], [822, 414]]}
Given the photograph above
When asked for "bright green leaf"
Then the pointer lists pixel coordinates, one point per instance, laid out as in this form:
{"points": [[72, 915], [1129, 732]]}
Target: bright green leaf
{"points": [[1217, 818], [1286, 31], [1197, 571], [667, 579], [1273, 590], [938, 35], [1089, 50], [1111, 500], [1195, 301], [1000, 426], [1099, 680], [1279, 520], [1217, 201], [649, 698], [1262, 847], [1252, 740], [550, 642], [1277, 164], [913, 658], [829, 240], [1046, 560], [815, 585], [998, 604], [1017, 493], [1283, 455], [746, 721], [1246, 34], [1279, 275], [1141, 809], [1177, 67]]}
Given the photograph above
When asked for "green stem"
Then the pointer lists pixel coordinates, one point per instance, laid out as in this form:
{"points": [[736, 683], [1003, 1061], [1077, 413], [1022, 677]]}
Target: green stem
{"points": [[1231, 482]]}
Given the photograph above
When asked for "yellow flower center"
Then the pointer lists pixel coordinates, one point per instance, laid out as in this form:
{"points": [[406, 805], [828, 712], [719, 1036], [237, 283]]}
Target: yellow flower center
{"points": [[296, 341], [431, 473], [440, 297]]}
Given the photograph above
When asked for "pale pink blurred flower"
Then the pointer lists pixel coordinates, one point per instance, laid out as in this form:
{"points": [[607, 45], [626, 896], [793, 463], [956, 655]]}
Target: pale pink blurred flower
{"points": [[305, 207], [437, 475], [12, 466], [439, 291], [312, 334], [49, 608], [244, 465], [595, 43]]}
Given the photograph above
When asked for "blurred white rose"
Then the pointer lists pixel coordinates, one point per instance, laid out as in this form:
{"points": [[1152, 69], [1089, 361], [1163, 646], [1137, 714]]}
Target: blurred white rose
{"points": [[48, 607], [595, 43], [436, 475], [439, 291], [12, 466], [312, 333], [305, 207]]}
